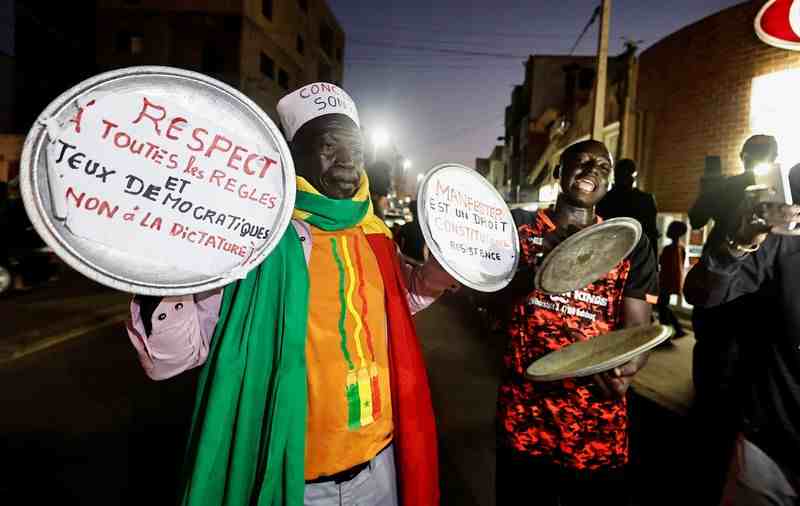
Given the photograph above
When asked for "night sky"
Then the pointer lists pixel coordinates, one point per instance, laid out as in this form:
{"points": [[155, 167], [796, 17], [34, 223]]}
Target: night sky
{"points": [[438, 75]]}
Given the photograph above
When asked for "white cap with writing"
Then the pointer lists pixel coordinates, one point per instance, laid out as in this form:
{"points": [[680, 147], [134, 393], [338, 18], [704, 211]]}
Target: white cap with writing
{"points": [[312, 101]]}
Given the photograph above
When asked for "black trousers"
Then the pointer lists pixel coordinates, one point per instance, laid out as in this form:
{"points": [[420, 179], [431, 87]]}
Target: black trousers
{"points": [[665, 314], [522, 479], [715, 416]]}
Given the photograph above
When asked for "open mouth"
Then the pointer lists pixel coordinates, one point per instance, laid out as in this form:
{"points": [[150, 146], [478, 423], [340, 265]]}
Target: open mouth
{"points": [[586, 185]]}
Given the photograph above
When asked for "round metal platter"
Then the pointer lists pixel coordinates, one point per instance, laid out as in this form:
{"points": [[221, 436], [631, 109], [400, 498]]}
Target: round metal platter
{"points": [[588, 255], [468, 227], [602, 353], [211, 166]]}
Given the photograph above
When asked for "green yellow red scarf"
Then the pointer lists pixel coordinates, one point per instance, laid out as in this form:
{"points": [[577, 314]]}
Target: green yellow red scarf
{"points": [[247, 440]]}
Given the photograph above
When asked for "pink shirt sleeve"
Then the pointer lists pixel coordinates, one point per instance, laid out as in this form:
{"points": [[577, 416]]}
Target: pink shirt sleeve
{"points": [[182, 328], [425, 282]]}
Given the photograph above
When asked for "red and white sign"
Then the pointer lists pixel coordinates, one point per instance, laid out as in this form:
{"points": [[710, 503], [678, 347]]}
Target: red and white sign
{"points": [[157, 181], [778, 24]]}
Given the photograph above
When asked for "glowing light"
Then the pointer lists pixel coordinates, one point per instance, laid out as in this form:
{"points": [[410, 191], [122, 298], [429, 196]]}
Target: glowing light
{"points": [[380, 138], [420, 177], [406, 164], [774, 110], [762, 169]]}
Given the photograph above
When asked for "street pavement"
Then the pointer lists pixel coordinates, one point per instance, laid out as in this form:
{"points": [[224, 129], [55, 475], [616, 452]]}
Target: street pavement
{"points": [[81, 424], [56, 312]]}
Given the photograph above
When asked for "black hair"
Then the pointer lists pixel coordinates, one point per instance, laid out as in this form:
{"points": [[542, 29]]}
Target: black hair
{"points": [[676, 230], [626, 167]]}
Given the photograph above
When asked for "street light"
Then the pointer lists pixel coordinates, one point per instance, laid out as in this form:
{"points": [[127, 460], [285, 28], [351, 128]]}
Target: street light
{"points": [[380, 138]]}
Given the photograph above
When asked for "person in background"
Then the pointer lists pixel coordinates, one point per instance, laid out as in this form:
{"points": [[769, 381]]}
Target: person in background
{"points": [[670, 276], [624, 200], [756, 261], [380, 185], [717, 330], [410, 238], [718, 201], [565, 442]]}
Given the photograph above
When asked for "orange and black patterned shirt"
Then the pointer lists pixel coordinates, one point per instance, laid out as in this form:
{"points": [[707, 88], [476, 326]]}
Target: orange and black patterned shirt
{"points": [[569, 422]]}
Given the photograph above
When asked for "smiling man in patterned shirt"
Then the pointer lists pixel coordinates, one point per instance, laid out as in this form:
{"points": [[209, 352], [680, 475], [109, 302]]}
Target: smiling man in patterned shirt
{"points": [[566, 442]]}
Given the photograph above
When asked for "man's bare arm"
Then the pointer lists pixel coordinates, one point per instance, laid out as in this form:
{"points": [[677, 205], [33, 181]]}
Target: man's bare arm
{"points": [[636, 312]]}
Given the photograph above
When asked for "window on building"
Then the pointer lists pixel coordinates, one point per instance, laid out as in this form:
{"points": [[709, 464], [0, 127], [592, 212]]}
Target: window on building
{"points": [[129, 43], [326, 39], [301, 45], [13, 170], [339, 54], [266, 8], [137, 44], [267, 66], [283, 79], [213, 58], [303, 5]]}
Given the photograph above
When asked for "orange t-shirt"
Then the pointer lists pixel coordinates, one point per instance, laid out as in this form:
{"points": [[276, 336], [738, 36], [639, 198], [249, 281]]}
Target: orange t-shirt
{"points": [[349, 404]]}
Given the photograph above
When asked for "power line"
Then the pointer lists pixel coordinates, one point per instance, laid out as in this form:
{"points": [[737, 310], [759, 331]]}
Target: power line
{"points": [[415, 67], [447, 28], [463, 36], [595, 15], [391, 62], [436, 49], [467, 46]]}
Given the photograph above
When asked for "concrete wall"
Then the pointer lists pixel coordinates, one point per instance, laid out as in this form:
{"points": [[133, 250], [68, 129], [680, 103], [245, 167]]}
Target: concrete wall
{"points": [[547, 80], [178, 39], [694, 100], [181, 34], [265, 91]]}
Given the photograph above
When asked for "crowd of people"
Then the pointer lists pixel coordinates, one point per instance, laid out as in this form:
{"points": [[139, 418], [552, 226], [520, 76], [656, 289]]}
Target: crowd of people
{"points": [[314, 390]]}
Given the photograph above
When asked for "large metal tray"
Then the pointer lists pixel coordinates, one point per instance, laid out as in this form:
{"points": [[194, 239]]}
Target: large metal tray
{"points": [[587, 255], [602, 353], [465, 262], [110, 265]]}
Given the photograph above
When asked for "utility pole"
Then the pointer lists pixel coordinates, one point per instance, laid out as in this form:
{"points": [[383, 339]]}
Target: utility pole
{"points": [[598, 119]]}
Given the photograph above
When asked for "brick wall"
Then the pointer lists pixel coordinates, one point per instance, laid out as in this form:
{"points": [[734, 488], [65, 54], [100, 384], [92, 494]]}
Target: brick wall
{"points": [[694, 100]]}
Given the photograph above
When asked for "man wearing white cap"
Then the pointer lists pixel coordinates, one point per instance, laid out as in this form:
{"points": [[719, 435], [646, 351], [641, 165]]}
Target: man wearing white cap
{"points": [[314, 389]]}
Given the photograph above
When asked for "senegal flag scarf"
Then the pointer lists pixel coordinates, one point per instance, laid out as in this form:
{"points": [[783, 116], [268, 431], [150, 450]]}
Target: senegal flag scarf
{"points": [[247, 441]]}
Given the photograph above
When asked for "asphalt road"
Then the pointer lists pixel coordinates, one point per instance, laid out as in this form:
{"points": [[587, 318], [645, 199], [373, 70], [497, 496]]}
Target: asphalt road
{"points": [[82, 424]]}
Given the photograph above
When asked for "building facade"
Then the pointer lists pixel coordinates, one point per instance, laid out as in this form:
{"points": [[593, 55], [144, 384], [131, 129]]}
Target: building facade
{"points": [[264, 48], [702, 91], [552, 109]]}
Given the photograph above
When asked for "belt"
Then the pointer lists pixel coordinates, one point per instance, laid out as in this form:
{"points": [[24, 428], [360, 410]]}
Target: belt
{"points": [[347, 474], [341, 476]]}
